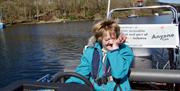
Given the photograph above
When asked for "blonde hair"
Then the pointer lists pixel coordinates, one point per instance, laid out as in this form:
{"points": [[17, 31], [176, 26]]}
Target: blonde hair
{"points": [[104, 26]]}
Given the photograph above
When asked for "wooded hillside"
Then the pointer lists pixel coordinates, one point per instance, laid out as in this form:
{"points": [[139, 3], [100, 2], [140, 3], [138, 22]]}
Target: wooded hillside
{"points": [[19, 11]]}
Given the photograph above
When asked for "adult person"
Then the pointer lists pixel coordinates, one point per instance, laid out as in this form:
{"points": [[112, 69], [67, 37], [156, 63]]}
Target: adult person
{"points": [[106, 59]]}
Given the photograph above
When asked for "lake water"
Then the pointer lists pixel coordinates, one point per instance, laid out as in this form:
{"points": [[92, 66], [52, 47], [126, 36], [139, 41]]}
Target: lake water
{"points": [[31, 51]]}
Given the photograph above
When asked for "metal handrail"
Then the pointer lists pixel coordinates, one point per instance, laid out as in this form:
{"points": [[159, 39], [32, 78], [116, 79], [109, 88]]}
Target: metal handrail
{"points": [[155, 75], [171, 8]]}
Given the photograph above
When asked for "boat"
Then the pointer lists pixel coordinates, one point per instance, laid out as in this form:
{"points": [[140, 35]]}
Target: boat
{"points": [[132, 16], [142, 73], [142, 76], [2, 26]]}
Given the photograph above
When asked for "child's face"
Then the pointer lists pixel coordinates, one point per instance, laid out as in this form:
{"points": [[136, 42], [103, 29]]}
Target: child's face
{"points": [[108, 39]]}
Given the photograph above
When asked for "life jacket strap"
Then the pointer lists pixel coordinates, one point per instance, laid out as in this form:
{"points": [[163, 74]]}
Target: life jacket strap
{"points": [[103, 80], [118, 82], [95, 63], [117, 86]]}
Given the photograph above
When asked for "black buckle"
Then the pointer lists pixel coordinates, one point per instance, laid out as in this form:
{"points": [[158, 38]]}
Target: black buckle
{"points": [[102, 80]]}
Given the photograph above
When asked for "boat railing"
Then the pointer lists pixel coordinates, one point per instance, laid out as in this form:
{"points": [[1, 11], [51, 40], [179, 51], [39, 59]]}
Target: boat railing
{"points": [[171, 8], [155, 75]]}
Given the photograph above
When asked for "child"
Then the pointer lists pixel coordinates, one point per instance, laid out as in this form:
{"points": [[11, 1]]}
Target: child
{"points": [[106, 59]]}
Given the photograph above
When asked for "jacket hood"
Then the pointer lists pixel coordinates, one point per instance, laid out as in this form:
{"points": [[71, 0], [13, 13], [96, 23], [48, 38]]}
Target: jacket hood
{"points": [[93, 43]]}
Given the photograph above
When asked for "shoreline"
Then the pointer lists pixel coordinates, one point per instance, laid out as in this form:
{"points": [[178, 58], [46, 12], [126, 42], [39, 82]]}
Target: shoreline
{"points": [[51, 21]]}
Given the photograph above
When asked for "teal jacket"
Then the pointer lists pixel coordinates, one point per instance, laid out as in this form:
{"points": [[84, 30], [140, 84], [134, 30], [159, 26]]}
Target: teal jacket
{"points": [[120, 61]]}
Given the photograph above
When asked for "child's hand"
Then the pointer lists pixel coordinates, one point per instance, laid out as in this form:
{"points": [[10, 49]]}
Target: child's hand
{"points": [[120, 40]]}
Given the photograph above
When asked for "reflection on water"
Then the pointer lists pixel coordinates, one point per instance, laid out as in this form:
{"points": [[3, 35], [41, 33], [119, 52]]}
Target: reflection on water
{"points": [[3, 46], [31, 51]]}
